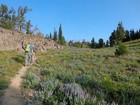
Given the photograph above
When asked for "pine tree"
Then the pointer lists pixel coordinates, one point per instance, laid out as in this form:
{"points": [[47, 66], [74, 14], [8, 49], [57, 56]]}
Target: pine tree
{"points": [[112, 39], [55, 35], [6, 17], [51, 36], [127, 36], [93, 43], [120, 33], [132, 34], [60, 36], [13, 18], [28, 27], [63, 40], [3, 14], [107, 43], [139, 34], [101, 42]]}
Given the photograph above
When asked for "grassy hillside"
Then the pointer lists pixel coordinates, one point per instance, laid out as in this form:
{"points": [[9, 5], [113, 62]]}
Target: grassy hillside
{"points": [[75, 76], [134, 44], [10, 63]]}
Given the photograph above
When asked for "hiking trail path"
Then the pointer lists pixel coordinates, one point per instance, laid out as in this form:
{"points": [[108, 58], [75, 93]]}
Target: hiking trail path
{"points": [[13, 95]]}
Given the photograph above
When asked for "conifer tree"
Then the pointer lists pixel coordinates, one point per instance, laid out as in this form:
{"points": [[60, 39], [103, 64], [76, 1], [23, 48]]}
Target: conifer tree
{"points": [[112, 39], [55, 35], [60, 35], [93, 43], [101, 42], [127, 36], [107, 43], [120, 33], [51, 36], [3, 14], [61, 38], [139, 34], [7, 19], [28, 27]]}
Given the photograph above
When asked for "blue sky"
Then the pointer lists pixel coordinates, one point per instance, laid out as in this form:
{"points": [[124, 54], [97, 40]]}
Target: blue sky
{"points": [[81, 19]]}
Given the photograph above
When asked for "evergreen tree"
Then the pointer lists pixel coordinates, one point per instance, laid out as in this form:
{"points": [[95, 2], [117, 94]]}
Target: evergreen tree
{"points": [[127, 36], [28, 27], [60, 35], [93, 43], [120, 33], [55, 35], [13, 18], [139, 34], [132, 34], [61, 39], [51, 36], [71, 42], [6, 17], [101, 42], [3, 10], [107, 43], [3, 14], [112, 39]]}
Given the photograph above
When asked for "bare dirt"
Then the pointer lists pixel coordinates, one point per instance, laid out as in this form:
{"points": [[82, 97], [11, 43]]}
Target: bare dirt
{"points": [[13, 95]]}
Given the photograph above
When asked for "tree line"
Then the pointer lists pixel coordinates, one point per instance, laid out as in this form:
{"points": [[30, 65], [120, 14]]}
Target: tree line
{"points": [[117, 36], [57, 36], [122, 35]]}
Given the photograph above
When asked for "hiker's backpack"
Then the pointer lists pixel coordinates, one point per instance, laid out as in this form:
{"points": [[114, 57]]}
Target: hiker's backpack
{"points": [[27, 48]]}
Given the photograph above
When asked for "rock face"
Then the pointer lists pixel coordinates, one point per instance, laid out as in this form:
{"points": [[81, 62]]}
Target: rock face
{"points": [[12, 40]]}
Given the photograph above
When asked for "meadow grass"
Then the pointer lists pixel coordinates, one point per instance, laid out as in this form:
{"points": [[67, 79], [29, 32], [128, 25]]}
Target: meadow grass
{"points": [[10, 63], [103, 76]]}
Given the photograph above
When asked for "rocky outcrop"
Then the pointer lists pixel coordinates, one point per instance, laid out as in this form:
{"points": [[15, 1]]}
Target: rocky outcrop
{"points": [[13, 40]]}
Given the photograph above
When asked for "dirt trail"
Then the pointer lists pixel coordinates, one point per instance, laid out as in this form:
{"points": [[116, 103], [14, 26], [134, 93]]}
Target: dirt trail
{"points": [[13, 95]]}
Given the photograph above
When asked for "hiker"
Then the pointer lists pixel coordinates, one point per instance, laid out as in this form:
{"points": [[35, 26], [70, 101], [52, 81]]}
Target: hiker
{"points": [[32, 53], [27, 55]]}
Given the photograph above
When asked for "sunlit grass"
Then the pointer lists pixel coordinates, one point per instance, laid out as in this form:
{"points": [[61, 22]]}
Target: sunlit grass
{"points": [[9, 65], [98, 71]]}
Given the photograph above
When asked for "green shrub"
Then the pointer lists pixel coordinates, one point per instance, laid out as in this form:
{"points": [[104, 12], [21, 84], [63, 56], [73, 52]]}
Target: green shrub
{"points": [[3, 85], [73, 94], [121, 50], [65, 78], [45, 94], [31, 80]]}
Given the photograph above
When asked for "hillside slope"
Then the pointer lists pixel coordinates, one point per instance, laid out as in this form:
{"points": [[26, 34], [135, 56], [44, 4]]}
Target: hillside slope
{"points": [[12, 40], [96, 76]]}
